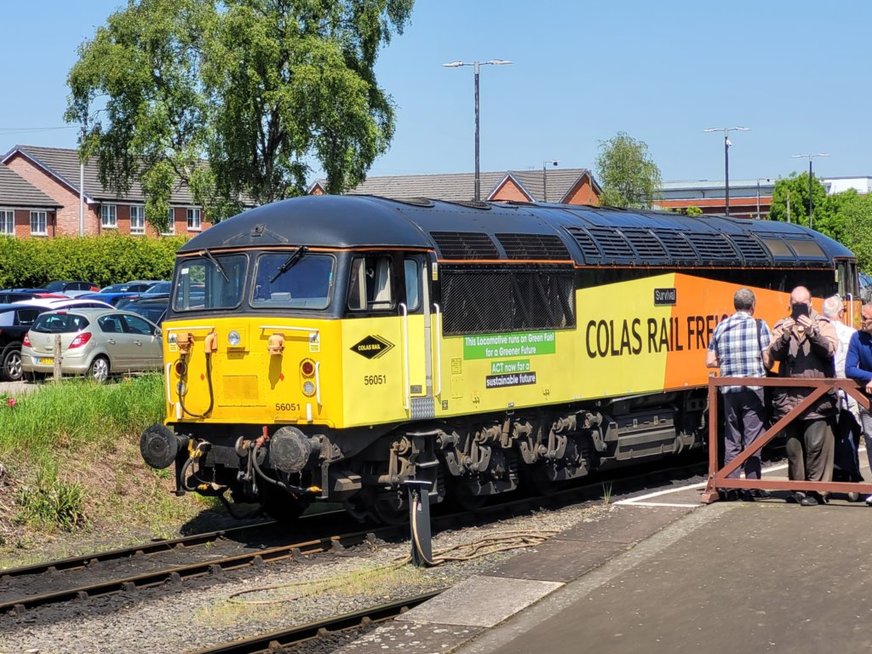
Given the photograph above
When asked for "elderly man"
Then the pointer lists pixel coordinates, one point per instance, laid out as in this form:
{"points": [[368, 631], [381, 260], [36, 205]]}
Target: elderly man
{"points": [[804, 344], [738, 347], [858, 366], [847, 428]]}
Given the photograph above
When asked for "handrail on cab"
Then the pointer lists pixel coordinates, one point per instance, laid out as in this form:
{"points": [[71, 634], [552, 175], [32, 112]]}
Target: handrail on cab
{"points": [[406, 394]]}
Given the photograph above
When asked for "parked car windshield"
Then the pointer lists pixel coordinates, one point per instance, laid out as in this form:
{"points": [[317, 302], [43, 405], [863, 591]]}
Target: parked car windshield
{"points": [[152, 311], [302, 283], [209, 282], [59, 323]]}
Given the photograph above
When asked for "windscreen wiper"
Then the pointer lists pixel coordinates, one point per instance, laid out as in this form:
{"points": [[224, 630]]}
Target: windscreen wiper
{"points": [[290, 262], [216, 263]]}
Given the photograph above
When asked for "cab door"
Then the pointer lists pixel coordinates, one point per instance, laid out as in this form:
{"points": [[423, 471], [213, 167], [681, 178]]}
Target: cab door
{"points": [[388, 352], [417, 316]]}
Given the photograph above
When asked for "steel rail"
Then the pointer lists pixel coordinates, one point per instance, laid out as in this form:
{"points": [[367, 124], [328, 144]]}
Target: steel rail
{"points": [[215, 566], [77, 562], [269, 642], [178, 573]]}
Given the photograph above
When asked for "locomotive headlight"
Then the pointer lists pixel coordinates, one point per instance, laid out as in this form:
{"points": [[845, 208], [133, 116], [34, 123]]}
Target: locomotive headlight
{"points": [[307, 367], [308, 388], [233, 338]]}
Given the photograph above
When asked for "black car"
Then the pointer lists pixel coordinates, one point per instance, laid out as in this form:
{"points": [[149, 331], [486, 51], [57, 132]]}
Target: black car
{"points": [[150, 308], [15, 321], [9, 295], [72, 286]]}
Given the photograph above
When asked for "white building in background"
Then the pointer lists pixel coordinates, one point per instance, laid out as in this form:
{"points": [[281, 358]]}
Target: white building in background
{"points": [[749, 198]]}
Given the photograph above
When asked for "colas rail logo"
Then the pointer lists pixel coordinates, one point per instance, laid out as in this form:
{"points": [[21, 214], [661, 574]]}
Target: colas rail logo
{"points": [[372, 347]]}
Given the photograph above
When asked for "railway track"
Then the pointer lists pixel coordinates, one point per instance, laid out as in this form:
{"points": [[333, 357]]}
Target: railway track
{"points": [[276, 640], [141, 567]]}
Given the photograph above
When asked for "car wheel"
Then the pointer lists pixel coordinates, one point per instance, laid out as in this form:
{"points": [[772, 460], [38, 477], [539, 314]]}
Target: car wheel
{"points": [[12, 363], [99, 369]]}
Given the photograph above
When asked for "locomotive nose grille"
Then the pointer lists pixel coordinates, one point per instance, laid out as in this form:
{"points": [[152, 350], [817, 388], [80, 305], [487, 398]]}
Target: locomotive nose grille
{"points": [[239, 390]]}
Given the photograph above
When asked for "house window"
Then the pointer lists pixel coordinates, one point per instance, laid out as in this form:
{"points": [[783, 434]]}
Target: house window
{"points": [[194, 223], [137, 219], [7, 222], [171, 223], [38, 223], [108, 216]]}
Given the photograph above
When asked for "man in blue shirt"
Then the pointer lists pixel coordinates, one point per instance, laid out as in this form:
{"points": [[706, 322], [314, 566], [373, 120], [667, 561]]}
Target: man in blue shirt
{"points": [[858, 366], [739, 347]]}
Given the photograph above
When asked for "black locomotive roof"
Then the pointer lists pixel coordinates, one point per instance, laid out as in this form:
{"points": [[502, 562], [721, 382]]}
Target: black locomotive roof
{"points": [[495, 230]]}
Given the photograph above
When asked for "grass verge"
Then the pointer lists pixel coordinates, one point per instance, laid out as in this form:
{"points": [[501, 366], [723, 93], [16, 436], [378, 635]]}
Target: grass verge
{"points": [[71, 474]]}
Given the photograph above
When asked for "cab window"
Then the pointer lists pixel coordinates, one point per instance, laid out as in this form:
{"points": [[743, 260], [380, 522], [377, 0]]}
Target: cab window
{"points": [[412, 270], [369, 286]]}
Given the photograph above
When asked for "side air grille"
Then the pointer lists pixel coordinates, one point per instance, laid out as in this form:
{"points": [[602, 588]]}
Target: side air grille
{"points": [[713, 247], [612, 243], [749, 247], [585, 242], [678, 247], [533, 246], [647, 246], [465, 245]]}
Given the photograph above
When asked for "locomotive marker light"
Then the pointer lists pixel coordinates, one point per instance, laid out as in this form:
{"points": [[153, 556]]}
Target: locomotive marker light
{"points": [[475, 68], [727, 144]]}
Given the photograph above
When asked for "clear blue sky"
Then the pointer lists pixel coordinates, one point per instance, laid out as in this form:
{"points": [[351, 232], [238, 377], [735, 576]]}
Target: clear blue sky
{"points": [[795, 73]]}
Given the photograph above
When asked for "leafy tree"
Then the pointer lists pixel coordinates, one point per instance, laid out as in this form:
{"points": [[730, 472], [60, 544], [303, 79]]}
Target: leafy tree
{"points": [[795, 189], [627, 174], [850, 222], [256, 88], [693, 211]]}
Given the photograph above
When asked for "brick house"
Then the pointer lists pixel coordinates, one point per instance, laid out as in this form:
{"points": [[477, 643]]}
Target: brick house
{"points": [[564, 185], [55, 173], [24, 209]]}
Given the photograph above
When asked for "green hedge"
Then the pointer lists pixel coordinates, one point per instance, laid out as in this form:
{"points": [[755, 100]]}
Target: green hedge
{"points": [[103, 260]]}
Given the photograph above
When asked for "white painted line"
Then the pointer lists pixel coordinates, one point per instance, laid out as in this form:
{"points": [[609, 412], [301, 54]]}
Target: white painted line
{"points": [[639, 500], [676, 504]]}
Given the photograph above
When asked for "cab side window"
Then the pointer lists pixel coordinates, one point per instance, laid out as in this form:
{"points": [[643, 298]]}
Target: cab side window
{"points": [[369, 286], [412, 270]]}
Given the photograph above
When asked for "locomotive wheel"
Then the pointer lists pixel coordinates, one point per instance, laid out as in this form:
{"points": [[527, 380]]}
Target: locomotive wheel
{"points": [[391, 508], [281, 506], [462, 495]]}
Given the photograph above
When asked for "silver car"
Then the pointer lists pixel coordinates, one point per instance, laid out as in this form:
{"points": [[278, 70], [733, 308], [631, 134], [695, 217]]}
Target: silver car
{"points": [[93, 342]]}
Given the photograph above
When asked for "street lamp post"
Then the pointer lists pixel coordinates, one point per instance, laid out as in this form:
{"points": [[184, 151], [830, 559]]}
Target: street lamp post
{"points": [[727, 144], [475, 69], [545, 164], [765, 179], [810, 174]]}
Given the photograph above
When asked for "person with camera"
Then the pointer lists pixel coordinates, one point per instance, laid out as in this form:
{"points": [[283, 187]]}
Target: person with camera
{"points": [[739, 348], [858, 366], [804, 344]]}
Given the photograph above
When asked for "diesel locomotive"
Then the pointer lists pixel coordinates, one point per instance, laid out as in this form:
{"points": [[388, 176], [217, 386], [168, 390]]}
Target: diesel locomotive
{"points": [[332, 347]]}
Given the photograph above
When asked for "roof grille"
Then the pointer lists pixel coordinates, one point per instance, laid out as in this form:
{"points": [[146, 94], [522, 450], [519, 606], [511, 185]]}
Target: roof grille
{"points": [[645, 243], [612, 243], [749, 247], [585, 242], [678, 247], [533, 246], [713, 247], [465, 245]]}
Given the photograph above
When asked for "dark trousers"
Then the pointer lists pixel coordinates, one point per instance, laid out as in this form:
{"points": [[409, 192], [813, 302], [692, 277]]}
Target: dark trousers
{"points": [[810, 450], [745, 422], [847, 438]]}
